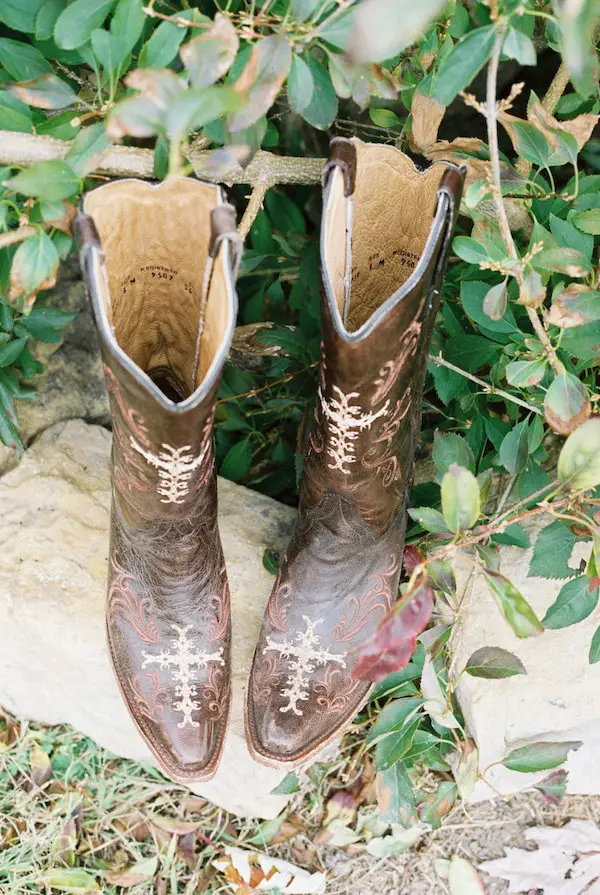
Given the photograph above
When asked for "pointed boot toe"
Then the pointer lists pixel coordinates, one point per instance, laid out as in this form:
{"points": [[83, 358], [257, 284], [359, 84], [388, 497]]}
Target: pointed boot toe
{"points": [[385, 234], [165, 308]]}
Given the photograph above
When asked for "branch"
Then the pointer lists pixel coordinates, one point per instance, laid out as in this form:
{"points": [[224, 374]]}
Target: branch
{"points": [[255, 204], [8, 239], [489, 389], [131, 161], [491, 115]]}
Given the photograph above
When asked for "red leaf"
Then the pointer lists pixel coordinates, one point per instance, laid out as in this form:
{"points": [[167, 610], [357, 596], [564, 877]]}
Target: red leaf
{"points": [[412, 558], [395, 639]]}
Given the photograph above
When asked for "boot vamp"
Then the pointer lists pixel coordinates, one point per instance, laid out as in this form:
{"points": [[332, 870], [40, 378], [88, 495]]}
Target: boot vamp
{"points": [[169, 635], [336, 586]]}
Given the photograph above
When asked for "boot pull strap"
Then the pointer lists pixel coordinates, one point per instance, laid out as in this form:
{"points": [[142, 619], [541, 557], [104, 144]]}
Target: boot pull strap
{"points": [[342, 155], [223, 226], [449, 193]]}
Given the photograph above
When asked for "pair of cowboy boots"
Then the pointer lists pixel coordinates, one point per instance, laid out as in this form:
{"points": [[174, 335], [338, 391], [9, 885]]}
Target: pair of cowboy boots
{"points": [[159, 261]]}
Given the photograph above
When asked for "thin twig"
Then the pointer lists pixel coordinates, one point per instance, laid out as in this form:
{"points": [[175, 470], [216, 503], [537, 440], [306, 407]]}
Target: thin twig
{"points": [[489, 389], [255, 204], [492, 129]]}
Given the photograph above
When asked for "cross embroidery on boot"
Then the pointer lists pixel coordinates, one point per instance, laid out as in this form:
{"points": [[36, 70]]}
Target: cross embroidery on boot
{"points": [[175, 467], [305, 655], [181, 660], [346, 422]]}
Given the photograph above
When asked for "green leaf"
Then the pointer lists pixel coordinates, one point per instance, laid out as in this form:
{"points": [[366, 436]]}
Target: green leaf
{"points": [[574, 603], [20, 15], [22, 61], [300, 85], [493, 663], [449, 448], [465, 61], [514, 449], [496, 301], [428, 518], [567, 235], [71, 880], [46, 324], [514, 535], [322, 108], [539, 756], [75, 24], [46, 18], [552, 551], [460, 498], [470, 250], [435, 807], [261, 80], [577, 25], [236, 463], [288, 785], [128, 22], [588, 221], [515, 609], [34, 265], [471, 352], [594, 655], [526, 374], [393, 717], [44, 92], [463, 879], [518, 46], [394, 747], [196, 107], [109, 49], [163, 45], [87, 149], [384, 118], [567, 403], [383, 28], [303, 9], [10, 352], [395, 795], [51, 181], [562, 260], [14, 115]]}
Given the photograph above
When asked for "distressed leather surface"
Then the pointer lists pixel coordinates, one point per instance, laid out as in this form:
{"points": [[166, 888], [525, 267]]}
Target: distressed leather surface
{"points": [[341, 572], [168, 610]]}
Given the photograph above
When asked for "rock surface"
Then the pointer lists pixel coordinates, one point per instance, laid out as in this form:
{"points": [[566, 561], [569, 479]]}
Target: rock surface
{"points": [[54, 664], [559, 697]]}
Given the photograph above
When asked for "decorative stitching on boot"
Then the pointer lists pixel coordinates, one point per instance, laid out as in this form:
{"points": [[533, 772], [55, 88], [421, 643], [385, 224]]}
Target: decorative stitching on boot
{"points": [[175, 467], [346, 421]]}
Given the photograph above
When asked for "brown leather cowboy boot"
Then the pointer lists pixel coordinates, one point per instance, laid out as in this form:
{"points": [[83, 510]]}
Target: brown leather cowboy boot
{"points": [[159, 263], [385, 235]]}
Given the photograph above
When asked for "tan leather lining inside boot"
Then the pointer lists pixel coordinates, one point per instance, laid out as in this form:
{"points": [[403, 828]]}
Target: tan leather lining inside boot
{"points": [[156, 240], [394, 206]]}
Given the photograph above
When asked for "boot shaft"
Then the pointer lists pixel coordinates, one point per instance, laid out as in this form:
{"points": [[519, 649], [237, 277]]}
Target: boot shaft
{"points": [[384, 242], [159, 263]]}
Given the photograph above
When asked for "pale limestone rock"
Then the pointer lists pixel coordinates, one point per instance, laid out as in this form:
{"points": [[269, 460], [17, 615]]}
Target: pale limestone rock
{"points": [[558, 699], [54, 664]]}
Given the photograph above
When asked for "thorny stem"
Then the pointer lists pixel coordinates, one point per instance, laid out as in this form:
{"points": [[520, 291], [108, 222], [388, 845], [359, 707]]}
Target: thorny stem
{"points": [[492, 129]]}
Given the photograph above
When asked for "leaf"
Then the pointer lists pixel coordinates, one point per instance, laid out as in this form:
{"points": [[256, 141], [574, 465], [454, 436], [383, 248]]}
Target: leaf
{"points": [[52, 181], [436, 701], [46, 18], [577, 24], [567, 403], [588, 221], [109, 49], [429, 519], [14, 115], [383, 28], [46, 324], [320, 112], [34, 266], [526, 374], [463, 879], [496, 301], [75, 24], [303, 9], [391, 749], [466, 772], [196, 107], [160, 50], [539, 756], [594, 655], [395, 638], [140, 872], [575, 602], [395, 796], [562, 260], [473, 295], [437, 806], [514, 449], [261, 80], [460, 498], [22, 61], [579, 460], [528, 142], [300, 85], [44, 92], [71, 880], [465, 61], [20, 15], [513, 605], [236, 463], [210, 55], [471, 352], [288, 785], [450, 448], [87, 149], [427, 116], [518, 46], [135, 116], [493, 663], [40, 765], [393, 717], [552, 552], [553, 787], [574, 306], [128, 22]]}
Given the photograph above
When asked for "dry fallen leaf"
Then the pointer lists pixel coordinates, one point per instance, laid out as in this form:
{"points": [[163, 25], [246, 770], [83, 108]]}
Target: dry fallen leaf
{"points": [[427, 116], [566, 862], [140, 872], [248, 871]]}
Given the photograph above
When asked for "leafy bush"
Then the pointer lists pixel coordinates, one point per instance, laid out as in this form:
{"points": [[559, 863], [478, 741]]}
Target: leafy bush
{"points": [[515, 350]]}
